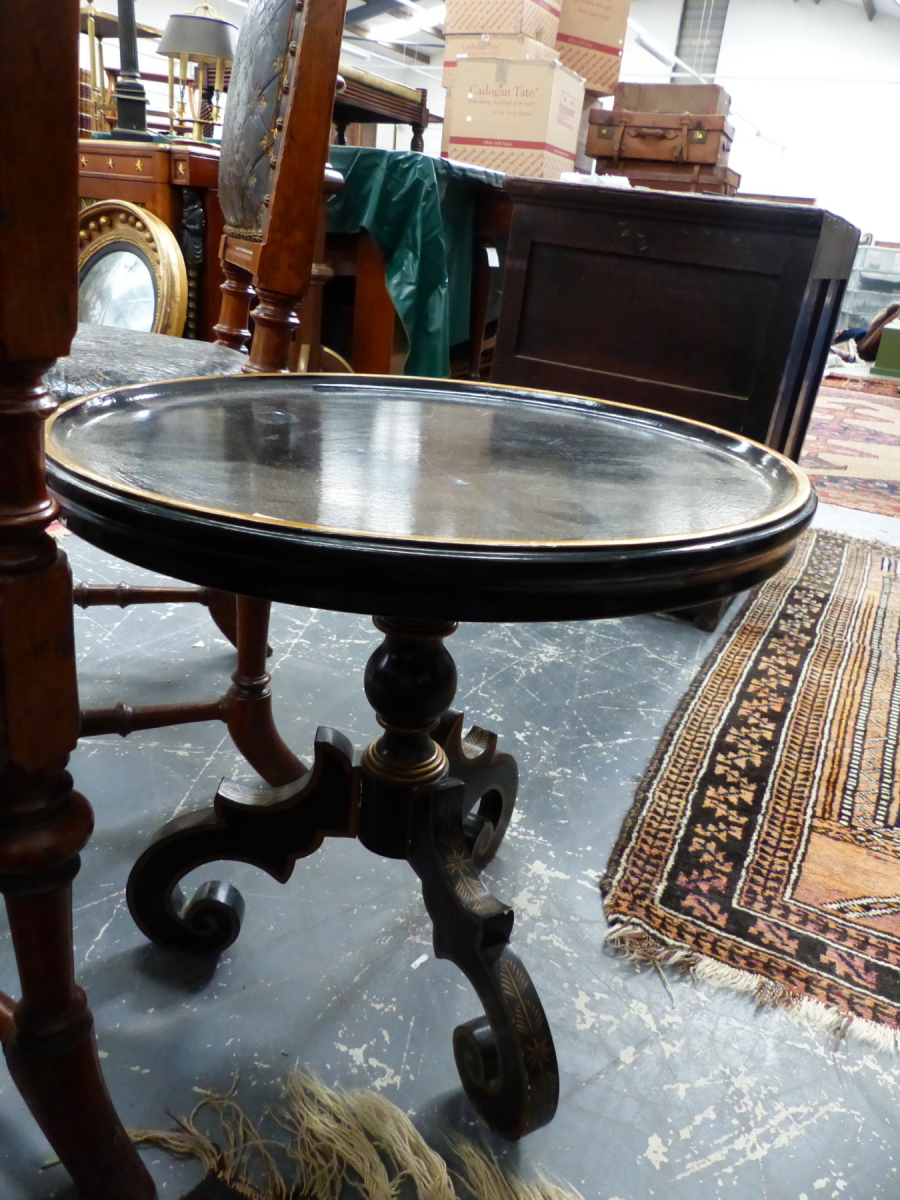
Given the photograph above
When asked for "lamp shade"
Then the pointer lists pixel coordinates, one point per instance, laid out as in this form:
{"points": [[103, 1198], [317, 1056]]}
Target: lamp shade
{"points": [[200, 38]]}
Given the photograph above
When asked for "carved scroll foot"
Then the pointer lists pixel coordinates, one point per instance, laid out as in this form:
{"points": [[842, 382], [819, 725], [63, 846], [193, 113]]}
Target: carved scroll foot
{"points": [[490, 778], [268, 827], [506, 1060]]}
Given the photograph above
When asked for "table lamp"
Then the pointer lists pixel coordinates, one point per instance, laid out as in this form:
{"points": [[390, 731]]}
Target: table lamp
{"points": [[200, 37]]}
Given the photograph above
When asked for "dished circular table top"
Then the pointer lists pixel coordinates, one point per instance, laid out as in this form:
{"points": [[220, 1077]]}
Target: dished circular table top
{"points": [[423, 498]]}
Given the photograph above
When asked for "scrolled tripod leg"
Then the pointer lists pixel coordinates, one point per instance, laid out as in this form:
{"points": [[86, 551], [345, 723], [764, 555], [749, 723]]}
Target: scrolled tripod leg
{"points": [[506, 1060], [270, 828], [491, 781]]}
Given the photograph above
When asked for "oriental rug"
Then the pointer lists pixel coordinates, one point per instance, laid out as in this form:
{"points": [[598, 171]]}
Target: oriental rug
{"points": [[763, 850], [852, 447]]}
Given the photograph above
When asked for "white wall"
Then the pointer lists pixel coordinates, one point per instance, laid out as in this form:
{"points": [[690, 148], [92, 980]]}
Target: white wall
{"points": [[821, 83]]}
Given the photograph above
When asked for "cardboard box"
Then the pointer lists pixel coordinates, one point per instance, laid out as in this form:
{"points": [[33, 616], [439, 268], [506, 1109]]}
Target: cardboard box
{"points": [[590, 40], [704, 99], [538, 19], [517, 116], [491, 45]]}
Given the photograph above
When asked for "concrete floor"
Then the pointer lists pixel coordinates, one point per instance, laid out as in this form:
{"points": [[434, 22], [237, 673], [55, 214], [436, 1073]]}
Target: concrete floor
{"points": [[671, 1091]]}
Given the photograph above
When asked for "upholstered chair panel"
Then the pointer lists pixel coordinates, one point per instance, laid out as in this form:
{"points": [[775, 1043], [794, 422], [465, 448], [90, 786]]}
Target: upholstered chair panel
{"points": [[255, 100]]}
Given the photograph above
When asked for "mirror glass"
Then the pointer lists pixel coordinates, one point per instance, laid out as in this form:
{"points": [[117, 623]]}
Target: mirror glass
{"points": [[118, 290]]}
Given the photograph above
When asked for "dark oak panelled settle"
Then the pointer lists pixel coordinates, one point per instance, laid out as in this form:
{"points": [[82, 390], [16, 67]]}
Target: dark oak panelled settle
{"points": [[716, 309]]}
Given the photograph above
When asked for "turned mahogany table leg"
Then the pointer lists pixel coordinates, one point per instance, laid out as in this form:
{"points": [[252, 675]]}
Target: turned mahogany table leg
{"points": [[48, 1036]]}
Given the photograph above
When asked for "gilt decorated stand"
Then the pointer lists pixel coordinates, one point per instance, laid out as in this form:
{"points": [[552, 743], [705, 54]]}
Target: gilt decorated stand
{"points": [[424, 503]]}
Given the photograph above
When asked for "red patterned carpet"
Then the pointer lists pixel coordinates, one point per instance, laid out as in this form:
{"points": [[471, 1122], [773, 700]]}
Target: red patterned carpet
{"points": [[762, 852], [852, 449]]}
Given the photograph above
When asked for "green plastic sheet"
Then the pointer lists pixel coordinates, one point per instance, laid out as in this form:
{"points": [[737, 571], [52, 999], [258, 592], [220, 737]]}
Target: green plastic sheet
{"points": [[420, 211]]}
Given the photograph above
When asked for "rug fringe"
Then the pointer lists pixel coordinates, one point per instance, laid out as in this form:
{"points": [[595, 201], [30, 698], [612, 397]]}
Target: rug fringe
{"points": [[395, 1136], [243, 1152], [337, 1137], [638, 944], [484, 1179]]}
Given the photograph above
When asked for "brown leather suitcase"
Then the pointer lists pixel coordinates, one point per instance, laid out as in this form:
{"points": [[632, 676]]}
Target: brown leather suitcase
{"points": [[674, 177], [706, 99], [659, 137]]}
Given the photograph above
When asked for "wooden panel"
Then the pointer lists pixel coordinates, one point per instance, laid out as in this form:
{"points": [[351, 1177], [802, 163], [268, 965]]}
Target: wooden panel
{"points": [[712, 309], [657, 309]]}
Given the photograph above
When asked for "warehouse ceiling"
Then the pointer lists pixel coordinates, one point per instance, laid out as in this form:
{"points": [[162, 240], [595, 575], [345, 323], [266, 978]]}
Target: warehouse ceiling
{"points": [[403, 30], [413, 29]]}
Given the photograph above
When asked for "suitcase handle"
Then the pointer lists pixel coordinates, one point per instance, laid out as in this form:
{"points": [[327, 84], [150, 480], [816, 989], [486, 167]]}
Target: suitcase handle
{"points": [[644, 131]]}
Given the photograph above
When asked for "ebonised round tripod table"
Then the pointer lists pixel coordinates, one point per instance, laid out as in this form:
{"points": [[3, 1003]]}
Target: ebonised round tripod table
{"points": [[425, 502]]}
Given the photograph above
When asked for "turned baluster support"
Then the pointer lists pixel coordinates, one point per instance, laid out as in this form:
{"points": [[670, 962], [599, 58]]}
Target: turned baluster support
{"points": [[275, 322], [233, 328], [410, 807]]}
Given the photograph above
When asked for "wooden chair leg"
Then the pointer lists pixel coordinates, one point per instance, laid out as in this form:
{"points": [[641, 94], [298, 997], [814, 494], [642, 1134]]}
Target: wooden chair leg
{"points": [[237, 293], [246, 708], [373, 312], [248, 704], [307, 350], [480, 298], [275, 322], [222, 605], [44, 824]]}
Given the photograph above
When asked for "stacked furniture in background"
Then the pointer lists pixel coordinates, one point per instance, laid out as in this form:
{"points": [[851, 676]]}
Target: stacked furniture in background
{"points": [[671, 136], [177, 182], [521, 76], [365, 99]]}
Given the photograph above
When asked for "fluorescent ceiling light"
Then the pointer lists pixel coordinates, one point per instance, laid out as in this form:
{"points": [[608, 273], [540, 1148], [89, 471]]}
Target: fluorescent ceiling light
{"points": [[398, 28], [435, 15]]}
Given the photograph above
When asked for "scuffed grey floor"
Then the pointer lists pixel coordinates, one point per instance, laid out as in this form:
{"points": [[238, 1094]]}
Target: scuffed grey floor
{"points": [[668, 1090]]}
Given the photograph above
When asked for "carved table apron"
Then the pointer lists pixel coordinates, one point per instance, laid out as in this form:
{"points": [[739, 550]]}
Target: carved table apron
{"points": [[425, 503]]}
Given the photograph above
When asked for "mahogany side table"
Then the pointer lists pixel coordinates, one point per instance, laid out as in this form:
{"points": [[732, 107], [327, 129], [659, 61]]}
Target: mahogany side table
{"points": [[424, 503]]}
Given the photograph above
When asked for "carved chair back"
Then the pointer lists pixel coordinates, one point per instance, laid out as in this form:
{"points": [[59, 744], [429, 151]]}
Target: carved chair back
{"points": [[274, 167]]}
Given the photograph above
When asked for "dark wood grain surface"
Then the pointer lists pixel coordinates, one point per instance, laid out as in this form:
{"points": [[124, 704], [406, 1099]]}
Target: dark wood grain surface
{"points": [[711, 308]]}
